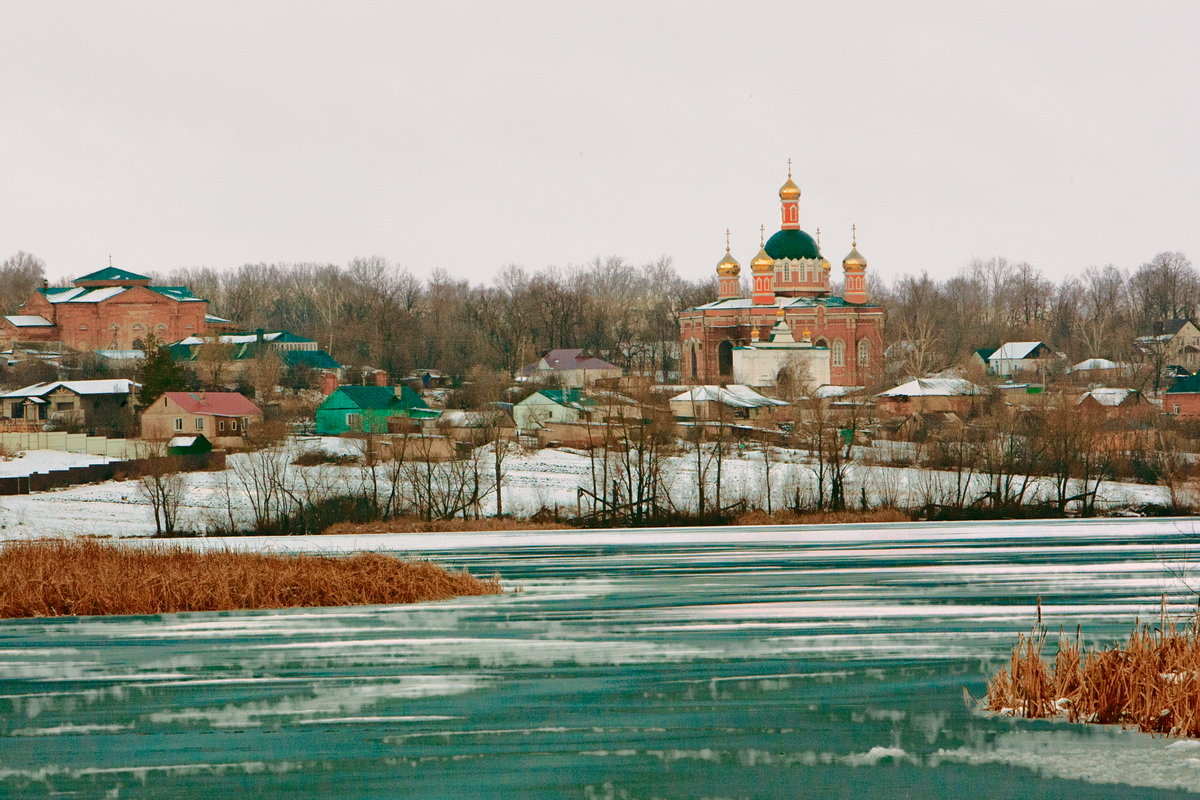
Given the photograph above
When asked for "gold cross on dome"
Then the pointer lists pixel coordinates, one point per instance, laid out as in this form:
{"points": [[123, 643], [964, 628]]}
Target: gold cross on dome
{"points": [[818, 237], [853, 235], [762, 232], [789, 169], [727, 240]]}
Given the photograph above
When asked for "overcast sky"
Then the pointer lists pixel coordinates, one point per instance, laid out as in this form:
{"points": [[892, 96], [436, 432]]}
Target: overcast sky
{"points": [[474, 135]]}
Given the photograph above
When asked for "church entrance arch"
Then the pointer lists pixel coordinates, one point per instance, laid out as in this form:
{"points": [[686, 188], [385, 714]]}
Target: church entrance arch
{"points": [[725, 358]]}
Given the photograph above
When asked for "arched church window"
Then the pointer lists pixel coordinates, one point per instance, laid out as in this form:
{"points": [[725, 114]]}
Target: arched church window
{"points": [[138, 344], [695, 363], [137, 326], [820, 343], [162, 326], [787, 272], [864, 352], [838, 353], [83, 326], [725, 358]]}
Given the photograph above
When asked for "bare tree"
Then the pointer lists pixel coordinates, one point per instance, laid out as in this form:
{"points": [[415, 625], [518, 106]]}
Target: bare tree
{"points": [[163, 485]]}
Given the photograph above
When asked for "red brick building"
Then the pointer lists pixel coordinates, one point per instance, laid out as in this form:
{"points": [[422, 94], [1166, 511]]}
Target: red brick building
{"points": [[111, 309], [789, 273]]}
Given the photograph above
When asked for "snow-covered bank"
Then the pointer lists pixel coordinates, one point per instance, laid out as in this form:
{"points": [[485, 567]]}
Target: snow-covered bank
{"points": [[544, 479]]}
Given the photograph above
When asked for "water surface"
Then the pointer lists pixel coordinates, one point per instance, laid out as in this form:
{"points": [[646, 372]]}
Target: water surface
{"points": [[718, 663]]}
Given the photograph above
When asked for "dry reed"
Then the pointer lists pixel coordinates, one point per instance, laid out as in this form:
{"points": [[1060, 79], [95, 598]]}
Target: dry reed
{"points": [[1152, 682], [457, 525], [87, 577], [759, 517]]}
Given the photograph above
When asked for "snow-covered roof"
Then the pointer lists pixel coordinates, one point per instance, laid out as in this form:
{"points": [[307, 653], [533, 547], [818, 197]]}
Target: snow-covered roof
{"points": [[29, 320], [829, 390], [1095, 363], [731, 395], [214, 318], [1108, 396], [121, 355], [933, 387], [181, 441], [1010, 350], [107, 386]]}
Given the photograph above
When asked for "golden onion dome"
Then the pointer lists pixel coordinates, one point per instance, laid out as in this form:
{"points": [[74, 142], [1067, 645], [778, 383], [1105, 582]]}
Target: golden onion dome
{"points": [[854, 260], [728, 267], [789, 190], [825, 264], [762, 262]]}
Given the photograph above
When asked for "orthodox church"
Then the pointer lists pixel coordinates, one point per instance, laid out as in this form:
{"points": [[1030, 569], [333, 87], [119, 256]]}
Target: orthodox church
{"points": [[789, 288]]}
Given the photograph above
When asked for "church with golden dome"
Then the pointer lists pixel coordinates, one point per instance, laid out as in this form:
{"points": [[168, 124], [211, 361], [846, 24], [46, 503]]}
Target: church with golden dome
{"points": [[789, 287]]}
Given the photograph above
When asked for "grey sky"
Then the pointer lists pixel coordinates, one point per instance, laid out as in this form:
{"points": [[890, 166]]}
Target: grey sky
{"points": [[474, 135]]}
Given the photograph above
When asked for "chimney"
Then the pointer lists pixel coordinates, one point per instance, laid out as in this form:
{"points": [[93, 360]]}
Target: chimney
{"points": [[380, 377], [328, 383], [258, 335]]}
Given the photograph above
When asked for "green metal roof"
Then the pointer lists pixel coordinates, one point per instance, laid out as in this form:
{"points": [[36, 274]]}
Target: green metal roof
{"points": [[565, 396], [792, 244], [316, 359], [113, 274], [381, 398], [1188, 385]]}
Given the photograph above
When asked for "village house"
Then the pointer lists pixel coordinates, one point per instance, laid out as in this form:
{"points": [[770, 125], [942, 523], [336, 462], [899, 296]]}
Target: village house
{"points": [[110, 309], [1099, 370], [236, 352], [97, 407], [1173, 341], [558, 406], [1182, 399], [1013, 358], [569, 368], [925, 395], [732, 402], [222, 417], [369, 409], [1116, 402]]}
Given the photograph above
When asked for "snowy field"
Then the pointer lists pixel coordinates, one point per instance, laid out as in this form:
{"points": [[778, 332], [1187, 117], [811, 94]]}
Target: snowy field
{"points": [[543, 479], [33, 461]]}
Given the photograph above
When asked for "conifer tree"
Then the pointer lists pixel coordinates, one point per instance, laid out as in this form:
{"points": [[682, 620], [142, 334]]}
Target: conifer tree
{"points": [[159, 372]]}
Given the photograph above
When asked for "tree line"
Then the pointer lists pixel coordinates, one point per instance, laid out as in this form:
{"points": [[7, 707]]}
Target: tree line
{"points": [[1094, 314]]}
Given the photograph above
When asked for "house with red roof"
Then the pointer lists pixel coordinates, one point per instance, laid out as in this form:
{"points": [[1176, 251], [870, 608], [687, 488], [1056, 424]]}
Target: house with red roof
{"points": [[570, 368], [221, 417]]}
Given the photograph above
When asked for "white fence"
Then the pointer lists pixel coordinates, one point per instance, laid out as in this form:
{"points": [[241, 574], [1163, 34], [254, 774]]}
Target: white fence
{"points": [[73, 443]]}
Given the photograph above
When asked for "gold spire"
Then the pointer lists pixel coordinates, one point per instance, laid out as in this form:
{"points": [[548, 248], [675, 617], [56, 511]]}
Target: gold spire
{"points": [[854, 259], [762, 234], [728, 267], [789, 190]]}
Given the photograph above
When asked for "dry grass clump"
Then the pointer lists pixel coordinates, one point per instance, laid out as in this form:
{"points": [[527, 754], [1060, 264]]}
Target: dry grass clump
{"points": [[418, 525], [87, 577], [759, 517], [1152, 682]]}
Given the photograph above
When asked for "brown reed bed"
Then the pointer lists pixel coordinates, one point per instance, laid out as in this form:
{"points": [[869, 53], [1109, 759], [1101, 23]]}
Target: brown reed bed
{"points": [[457, 525], [760, 517], [87, 577], [1151, 682]]}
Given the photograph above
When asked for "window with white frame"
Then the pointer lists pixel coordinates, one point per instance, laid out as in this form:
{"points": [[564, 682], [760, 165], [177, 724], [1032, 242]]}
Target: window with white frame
{"points": [[838, 353]]}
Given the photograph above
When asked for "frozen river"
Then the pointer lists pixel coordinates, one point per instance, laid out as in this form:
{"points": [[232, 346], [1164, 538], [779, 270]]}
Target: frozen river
{"points": [[705, 663]]}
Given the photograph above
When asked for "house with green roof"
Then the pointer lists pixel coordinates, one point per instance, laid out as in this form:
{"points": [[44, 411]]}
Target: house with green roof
{"points": [[109, 309], [367, 409], [239, 350]]}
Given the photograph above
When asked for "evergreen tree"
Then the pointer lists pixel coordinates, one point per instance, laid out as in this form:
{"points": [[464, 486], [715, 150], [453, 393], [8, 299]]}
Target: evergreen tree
{"points": [[159, 372]]}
